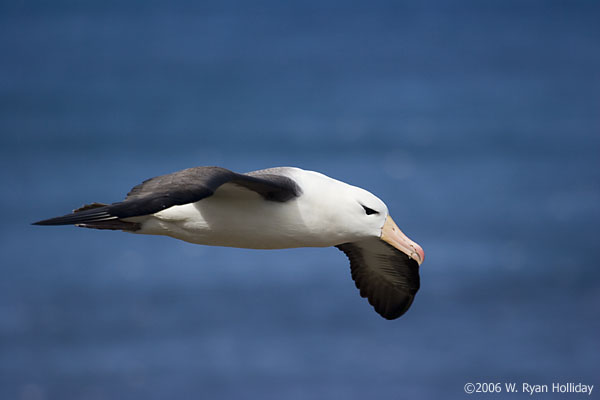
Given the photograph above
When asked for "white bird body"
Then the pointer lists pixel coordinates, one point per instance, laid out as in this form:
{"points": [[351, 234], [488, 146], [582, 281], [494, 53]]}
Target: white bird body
{"points": [[237, 217]]}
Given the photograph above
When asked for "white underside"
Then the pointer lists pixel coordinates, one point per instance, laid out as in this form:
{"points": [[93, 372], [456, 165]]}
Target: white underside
{"points": [[243, 220]]}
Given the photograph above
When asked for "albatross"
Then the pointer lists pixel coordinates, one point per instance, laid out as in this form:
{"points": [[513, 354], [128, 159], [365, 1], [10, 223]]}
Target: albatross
{"points": [[275, 208]]}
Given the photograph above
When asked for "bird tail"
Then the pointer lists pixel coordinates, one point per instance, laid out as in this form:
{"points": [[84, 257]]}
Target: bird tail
{"points": [[95, 215]]}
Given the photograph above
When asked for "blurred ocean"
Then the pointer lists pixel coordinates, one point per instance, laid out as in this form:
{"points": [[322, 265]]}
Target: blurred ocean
{"points": [[476, 122]]}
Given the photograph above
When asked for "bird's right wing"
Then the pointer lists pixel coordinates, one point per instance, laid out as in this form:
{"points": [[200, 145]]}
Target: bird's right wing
{"points": [[387, 277]]}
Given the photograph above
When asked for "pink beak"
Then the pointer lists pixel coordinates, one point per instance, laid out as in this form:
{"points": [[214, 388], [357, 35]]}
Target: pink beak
{"points": [[391, 234]]}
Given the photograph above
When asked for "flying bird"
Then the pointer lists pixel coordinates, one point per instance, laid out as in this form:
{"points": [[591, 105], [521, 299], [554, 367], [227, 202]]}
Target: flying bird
{"points": [[273, 208]]}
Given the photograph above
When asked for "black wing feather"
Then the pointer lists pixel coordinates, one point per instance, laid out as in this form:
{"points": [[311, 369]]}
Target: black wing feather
{"points": [[387, 277]]}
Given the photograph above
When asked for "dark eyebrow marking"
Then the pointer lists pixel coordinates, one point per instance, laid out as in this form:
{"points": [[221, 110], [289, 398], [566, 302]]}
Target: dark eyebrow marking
{"points": [[369, 211]]}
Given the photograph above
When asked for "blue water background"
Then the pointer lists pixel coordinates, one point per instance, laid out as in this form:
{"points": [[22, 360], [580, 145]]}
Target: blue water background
{"points": [[476, 122]]}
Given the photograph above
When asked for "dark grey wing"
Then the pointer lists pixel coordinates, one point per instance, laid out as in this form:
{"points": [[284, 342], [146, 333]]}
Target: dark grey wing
{"points": [[387, 277], [194, 184], [182, 187]]}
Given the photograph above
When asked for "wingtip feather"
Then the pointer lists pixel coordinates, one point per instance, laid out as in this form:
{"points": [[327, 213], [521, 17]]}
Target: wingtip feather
{"points": [[78, 217]]}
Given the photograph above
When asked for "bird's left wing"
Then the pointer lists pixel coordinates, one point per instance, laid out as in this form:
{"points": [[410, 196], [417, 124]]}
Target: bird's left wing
{"points": [[387, 277], [182, 187]]}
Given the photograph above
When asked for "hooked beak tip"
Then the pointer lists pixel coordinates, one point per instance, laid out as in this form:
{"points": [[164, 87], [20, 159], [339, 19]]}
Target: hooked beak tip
{"points": [[419, 253]]}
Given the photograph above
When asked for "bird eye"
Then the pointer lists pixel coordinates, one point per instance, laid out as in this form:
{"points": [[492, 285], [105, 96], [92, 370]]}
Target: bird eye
{"points": [[369, 211]]}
